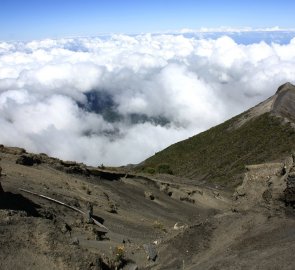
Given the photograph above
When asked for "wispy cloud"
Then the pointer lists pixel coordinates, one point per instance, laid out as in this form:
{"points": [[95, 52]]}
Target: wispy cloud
{"points": [[226, 29]]}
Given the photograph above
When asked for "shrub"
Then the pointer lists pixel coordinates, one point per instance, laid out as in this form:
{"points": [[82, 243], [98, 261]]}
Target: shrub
{"points": [[159, 225], [164, 168], [149, 170], [119, 253]]}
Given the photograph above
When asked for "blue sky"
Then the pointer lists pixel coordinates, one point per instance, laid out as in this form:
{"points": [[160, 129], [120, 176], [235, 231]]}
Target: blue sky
{"points": [[36, 19]]}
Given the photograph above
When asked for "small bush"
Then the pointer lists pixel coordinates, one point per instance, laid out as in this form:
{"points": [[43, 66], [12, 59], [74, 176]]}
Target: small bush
{"points": [[101, 166], [159, 225], [119, 253], [164, 168], [150, 170]]}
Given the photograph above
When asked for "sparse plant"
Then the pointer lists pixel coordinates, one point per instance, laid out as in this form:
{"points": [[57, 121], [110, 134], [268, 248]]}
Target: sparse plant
{"points": [[119, 253], [159, 225], [149, 170], [164, 168], [116, 261]]}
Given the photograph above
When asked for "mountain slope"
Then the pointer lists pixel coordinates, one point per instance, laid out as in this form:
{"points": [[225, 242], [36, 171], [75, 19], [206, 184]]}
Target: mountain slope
{"points": [[219, 155], [159, 222]]}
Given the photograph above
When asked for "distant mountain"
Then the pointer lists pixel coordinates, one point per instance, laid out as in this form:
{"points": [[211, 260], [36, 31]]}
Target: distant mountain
{"points": [[262, 134]]}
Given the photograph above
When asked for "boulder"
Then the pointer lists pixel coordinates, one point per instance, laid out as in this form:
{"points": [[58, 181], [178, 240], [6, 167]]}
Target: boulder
{"points": [[151, 251], [130, 266]]}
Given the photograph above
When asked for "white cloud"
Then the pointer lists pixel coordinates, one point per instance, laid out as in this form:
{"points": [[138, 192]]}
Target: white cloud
{"points": [[120, 99]]}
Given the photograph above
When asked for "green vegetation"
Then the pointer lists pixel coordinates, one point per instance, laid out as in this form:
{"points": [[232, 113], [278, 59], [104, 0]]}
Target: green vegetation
{"points": [[119, 253], [149, 170], [219, 155], [159, 225], [162, 168]]}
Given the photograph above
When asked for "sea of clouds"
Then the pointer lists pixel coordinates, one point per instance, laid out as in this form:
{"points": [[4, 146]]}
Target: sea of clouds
{"points": [[119, 99]]}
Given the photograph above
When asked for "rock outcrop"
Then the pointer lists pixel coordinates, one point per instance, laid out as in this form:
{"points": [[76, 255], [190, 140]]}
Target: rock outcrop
{"points": [[289, 192], [269, 185], [264, 186], [28, 159], [70, 167]]}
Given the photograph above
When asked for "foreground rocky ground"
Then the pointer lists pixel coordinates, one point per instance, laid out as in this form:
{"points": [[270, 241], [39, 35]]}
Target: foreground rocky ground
{"points": [[163, 222]]}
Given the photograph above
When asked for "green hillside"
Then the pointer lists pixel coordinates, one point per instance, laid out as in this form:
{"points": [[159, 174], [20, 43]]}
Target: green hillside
{"points": [[219, 155]]}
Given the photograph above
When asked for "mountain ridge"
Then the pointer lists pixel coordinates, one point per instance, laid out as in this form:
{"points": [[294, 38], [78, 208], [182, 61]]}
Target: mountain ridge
{"points": [[264, 133]]}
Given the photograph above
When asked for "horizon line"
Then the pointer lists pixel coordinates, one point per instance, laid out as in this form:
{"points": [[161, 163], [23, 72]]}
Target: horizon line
{"points": [[201, 30]]}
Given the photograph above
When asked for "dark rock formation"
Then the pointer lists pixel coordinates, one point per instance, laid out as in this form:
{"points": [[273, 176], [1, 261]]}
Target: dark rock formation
{"points": [[1, 189], [107, 174], [28, 159], [289, 192], [70, 167]]}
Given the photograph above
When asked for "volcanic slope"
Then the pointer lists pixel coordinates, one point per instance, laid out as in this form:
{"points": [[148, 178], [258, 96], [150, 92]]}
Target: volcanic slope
{"points": [[141, 215], [156, 222], [262, 134]]}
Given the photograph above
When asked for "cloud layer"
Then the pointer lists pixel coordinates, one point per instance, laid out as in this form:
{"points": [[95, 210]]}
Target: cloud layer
{"points": [[120, 99]]}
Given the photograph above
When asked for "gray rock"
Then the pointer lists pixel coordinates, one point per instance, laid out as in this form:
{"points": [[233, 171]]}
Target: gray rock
{"points": [[151, 251], [131, 266]]}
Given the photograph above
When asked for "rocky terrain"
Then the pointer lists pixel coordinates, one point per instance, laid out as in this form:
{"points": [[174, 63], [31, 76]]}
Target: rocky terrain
{"points": [[155, 220]]}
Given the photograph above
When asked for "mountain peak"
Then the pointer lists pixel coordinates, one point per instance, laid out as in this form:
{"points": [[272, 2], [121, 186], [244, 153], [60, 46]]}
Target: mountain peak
{"points": [[284, 103], [286, 87]]}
